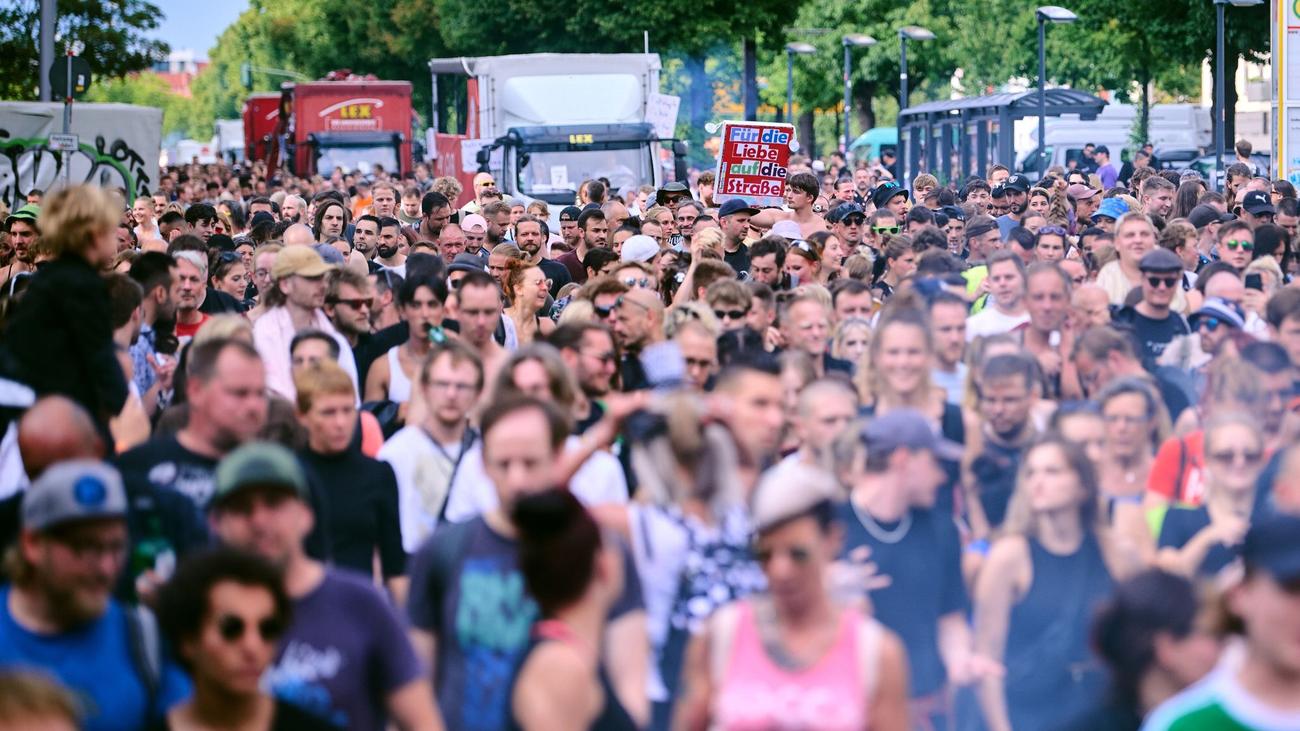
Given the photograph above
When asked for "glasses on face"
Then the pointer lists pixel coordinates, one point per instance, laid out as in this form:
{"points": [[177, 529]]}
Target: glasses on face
{"points": [[1235, 456], [355, 303], [1234, 244], [604, 358], [886, 229], [1210, 324], [1124, 419], [232, 628], [730, 314], [453, 386], [85, 549], [604, 312], [1158, 282]]}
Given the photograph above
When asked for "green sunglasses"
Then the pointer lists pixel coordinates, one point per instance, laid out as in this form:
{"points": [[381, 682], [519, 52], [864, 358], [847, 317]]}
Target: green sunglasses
{"points": [[1244, 245]]}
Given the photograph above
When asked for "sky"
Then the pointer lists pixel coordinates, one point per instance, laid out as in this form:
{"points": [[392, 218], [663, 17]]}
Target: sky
{"points": [[195, 24]]}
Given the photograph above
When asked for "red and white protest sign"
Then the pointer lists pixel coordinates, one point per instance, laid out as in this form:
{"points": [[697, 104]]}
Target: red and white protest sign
{"points": [[753, 163]]}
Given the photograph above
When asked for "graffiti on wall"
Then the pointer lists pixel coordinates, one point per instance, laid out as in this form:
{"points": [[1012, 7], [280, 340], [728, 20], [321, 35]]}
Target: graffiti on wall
{"points": [[28, 164]]}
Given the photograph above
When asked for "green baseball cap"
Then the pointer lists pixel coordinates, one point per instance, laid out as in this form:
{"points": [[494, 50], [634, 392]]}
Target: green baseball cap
{"points": [[259, 464], [29, 212]]}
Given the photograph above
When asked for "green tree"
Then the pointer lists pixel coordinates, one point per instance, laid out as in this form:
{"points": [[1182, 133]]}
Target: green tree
{"points": [[151, 91], [110, 33]]}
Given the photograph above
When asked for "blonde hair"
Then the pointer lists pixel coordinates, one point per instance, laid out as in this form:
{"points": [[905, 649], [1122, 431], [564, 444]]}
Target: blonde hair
{"points": [[693, 311], [902, 311], [325, 378], [30, 697], [578, 310], [224, 327], [841, 334], [709, 238], [74, 217], [560, 381]]}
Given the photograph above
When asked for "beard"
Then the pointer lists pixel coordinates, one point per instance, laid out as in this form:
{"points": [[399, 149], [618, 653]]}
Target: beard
{"points": [[386, 252]]}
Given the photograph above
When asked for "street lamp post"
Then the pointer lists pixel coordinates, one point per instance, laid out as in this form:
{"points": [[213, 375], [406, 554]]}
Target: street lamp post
{"points": [[851, 41], [1046, 14], [791, 50], [915, 33], [1220, 113]]}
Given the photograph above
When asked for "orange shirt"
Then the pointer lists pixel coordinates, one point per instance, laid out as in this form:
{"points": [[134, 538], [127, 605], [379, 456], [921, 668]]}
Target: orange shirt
{"points": [[1176, 475]]}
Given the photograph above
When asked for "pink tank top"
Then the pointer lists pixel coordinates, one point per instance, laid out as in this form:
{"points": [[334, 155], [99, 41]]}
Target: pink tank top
{"points": [[758, 695]]}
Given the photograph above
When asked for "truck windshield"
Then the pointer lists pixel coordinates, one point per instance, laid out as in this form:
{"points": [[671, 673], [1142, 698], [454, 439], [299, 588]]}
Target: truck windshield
{"points": [[559, 173], [356, 159]]}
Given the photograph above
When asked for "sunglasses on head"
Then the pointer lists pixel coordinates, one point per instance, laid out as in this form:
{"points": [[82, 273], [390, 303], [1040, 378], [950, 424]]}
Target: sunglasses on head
{"points": [[1234, 244], [1053, 231], [232, 628], [634, 282], [622, 299], [1158, 282]]}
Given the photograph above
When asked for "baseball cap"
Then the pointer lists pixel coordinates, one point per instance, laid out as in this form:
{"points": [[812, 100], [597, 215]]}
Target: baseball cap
{"points": [[1102, 149], [1225, 311], [843, 211], [78, 489], [1017, 183], [734, 206], [954, 213], [221, 242], [1273, 544], [303, 261], [1202, 216], [259, 464], [570, 213], [1160, 259], [28, 212], [886, 192], [1257, 202], [639, 248], [475, 221], [786, 229], [818, 166], [1081, 192], [465, 262], [789, 490], [907, 429], [329, 254], [1111, 208]]}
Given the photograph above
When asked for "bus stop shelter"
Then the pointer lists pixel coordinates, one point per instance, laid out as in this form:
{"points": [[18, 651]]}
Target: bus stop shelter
{"points": [[962, 137]]}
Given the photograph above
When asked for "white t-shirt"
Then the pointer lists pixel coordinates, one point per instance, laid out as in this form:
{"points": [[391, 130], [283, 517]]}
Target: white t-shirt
{"points": [[990, 321], [599, 481], [422, 472]]}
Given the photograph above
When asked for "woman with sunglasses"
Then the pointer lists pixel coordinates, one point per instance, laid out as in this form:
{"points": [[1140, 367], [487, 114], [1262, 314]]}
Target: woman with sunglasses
{"points": [[803, 263], [223, 613], [1035, 595], [796, 657], [1200, 541]]}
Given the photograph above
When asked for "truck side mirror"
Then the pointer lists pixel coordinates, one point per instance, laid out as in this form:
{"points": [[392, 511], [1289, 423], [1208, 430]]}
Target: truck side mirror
{"points": [[483, 157], [679, 148]]}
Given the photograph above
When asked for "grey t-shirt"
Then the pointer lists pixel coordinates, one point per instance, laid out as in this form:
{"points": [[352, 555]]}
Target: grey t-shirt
{"points": [[467, 589]]}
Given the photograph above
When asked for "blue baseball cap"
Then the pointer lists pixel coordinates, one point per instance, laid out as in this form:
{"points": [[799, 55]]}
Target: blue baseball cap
{"points": [[1111, 208]]}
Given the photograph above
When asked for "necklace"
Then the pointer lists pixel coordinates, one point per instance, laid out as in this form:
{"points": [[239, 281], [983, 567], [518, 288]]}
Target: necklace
{"points": [[884, 536]]}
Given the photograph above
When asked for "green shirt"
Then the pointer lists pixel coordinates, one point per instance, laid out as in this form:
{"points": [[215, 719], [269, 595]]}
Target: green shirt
{"points": [[1218, 703]]}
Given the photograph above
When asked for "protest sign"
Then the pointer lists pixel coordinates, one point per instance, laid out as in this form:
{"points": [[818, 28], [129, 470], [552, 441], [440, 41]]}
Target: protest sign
{"points": [[753, 163]]}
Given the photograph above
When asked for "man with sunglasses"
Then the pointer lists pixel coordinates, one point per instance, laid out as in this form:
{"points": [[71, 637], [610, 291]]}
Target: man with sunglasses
{"points": [[847, 222], [58, 614], [884, 223], [1153, 320], [638, 324], [588, 351], [1235, 244], [345, 657]]}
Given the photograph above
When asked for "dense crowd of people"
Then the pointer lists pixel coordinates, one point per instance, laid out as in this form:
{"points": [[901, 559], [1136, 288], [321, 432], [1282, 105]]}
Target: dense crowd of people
{"points": [[378, 451]]}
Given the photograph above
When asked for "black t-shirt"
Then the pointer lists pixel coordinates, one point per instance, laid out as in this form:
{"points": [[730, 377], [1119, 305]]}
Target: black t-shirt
{"points": [[1181, 525], [739, 260], [360, 499], [995, 473], [1154, 335], [557, 273], [924, 568], [287, 717], [165, 464]]}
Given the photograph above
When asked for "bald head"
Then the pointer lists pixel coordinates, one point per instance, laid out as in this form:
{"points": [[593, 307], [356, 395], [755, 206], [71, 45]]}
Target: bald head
{"points": [[299, 234], [154, 245], [53, 430], [1091, 306]]}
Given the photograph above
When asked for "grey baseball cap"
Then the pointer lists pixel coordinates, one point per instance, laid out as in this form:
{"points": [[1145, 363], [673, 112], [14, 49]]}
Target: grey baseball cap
{"points": [[259, 464], [80, 489], [907, 429]]}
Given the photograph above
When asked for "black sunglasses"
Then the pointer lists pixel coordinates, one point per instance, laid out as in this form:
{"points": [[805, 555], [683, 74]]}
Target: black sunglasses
{"points": [[1158, 282], [605, 312], [730, 314], [232, 628]]}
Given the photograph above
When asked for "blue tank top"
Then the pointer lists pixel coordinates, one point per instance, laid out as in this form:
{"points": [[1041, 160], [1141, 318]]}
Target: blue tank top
{"points": [[1052, 674]]}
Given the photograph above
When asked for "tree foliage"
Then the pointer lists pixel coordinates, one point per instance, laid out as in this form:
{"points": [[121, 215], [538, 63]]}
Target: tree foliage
{"points": [[110, 34], [151, 91]]}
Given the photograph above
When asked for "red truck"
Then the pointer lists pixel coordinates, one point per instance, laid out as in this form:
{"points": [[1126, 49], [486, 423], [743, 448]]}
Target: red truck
{"points": [[261, 116], [351, 125]]}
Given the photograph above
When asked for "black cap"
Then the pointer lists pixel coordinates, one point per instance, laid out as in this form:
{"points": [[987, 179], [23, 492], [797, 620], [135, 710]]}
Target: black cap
{"points": [[1257, 202], [1202, 216], [1160, 259], [998, 191], [1017, 183], [221, 242], [843, 211], [734, 206], [570, 213], [261, 217], [954, 213], [1273, 545], [886, 192]]}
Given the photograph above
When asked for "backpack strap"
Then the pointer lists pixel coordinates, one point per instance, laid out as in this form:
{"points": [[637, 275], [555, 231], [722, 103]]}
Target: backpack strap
{"points": [[145, 643]]}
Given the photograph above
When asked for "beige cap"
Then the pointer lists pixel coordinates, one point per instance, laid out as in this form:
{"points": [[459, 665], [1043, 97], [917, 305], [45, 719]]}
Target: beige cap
{"points": [[302, 261], [789, 490]]}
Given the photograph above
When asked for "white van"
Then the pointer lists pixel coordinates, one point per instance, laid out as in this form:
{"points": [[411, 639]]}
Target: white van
{"points": [[1173, 126]]}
